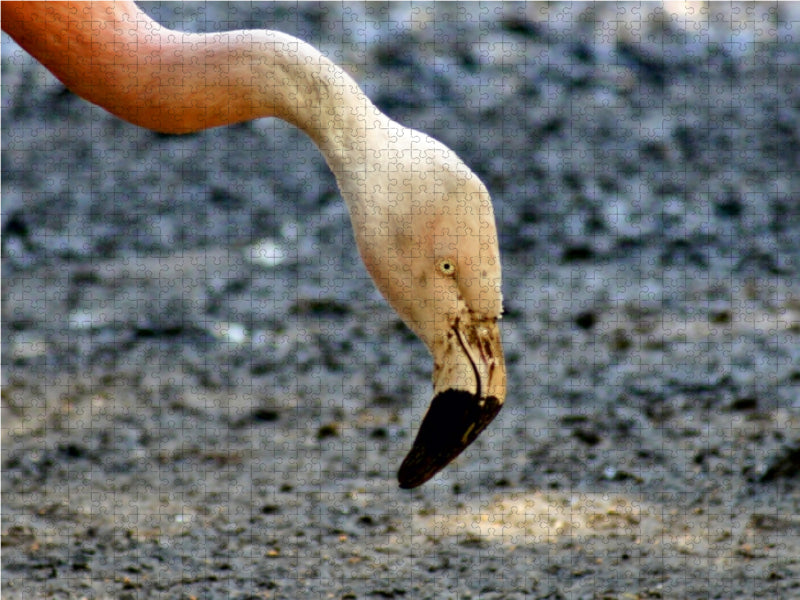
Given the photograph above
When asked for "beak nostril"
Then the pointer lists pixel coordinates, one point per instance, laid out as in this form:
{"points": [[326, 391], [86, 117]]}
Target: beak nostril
{"points": [[465, 346]]}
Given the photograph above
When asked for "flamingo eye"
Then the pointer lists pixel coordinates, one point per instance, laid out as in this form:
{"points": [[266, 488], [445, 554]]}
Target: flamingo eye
{"points": [[447, 266]]}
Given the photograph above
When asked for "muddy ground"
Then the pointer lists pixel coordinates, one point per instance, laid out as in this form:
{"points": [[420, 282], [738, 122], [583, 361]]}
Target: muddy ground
{"points": [[205, 397]]}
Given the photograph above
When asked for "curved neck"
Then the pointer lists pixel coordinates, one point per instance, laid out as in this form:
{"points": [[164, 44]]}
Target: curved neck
{"points": [[241, 75], [114, 55]]}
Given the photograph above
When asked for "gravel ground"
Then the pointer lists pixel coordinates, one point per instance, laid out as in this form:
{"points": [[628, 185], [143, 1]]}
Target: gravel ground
{"points": [[205, 397]]}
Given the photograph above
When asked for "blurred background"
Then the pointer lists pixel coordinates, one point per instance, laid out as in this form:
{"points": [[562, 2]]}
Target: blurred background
{"points": [[204, 395]]}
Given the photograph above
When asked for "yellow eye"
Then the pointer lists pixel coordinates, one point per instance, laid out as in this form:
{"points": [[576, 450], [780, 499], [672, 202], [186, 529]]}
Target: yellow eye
{"points": [[447, 266]]}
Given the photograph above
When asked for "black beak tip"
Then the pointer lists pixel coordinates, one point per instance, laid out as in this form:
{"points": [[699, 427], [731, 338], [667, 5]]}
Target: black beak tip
{"points": [[453, 421]]}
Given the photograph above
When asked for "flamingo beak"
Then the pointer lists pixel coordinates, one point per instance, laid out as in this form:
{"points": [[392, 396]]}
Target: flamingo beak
{"points": [[469, 383]]}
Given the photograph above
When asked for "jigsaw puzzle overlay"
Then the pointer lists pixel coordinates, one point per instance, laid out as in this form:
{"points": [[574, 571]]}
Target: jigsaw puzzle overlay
{"points": [[205, 395]]}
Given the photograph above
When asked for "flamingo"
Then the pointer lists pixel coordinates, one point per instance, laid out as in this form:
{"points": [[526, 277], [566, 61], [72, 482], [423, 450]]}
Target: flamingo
{"points": [[422, 220]]}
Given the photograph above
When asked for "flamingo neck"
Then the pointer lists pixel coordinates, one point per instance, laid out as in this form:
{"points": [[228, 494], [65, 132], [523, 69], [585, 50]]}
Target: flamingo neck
{"points": [[178, 82], [242, 75]]}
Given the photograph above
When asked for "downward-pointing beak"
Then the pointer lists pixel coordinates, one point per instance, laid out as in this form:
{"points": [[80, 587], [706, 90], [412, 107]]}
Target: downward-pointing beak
{"points": [[469, 385]]}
